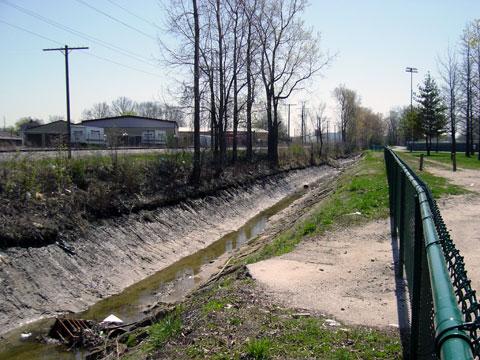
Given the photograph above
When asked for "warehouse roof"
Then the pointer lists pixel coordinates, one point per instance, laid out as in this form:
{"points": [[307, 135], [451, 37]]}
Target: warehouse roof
{"points": [[129, 121]]}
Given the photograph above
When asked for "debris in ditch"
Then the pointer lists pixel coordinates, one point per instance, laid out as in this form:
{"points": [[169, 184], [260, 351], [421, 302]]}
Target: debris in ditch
{"points": [[112, 319], [25, 336], [69, 249]]}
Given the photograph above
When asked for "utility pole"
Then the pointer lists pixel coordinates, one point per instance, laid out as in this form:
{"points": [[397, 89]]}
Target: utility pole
{"points": [[303, 122], [288, 122], [65, 52], [411, 70]]}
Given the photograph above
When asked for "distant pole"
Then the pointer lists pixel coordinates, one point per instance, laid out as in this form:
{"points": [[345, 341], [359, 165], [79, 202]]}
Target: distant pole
{"points": [[65, 51], [288, 122], [288, 129], [411, 70]]}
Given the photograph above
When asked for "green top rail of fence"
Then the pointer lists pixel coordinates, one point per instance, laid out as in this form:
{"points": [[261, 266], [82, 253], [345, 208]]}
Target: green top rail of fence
{"points": [[447, 280]]}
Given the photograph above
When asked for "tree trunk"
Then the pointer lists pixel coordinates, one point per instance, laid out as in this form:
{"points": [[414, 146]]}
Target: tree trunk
{"points": [[196, 92], [249, 92], [269, 127], [221, 105], [235, 91], [275, 133]]}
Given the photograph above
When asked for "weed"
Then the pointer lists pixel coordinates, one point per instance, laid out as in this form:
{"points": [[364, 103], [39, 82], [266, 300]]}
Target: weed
{"points": [[213, 306], [258, 349], [163, 330]]}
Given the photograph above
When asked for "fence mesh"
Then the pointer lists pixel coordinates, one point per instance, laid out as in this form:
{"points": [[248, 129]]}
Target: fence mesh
{"points": [[407, 226]]}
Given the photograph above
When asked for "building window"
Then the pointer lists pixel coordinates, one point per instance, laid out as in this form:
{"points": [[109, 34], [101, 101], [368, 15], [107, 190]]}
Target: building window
{"points": [[95, 134]]}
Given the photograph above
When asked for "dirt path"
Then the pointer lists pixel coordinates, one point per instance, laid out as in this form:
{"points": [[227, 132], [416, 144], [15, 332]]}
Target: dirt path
{"points": [[347, 274], [467, 178], [460, 214]]}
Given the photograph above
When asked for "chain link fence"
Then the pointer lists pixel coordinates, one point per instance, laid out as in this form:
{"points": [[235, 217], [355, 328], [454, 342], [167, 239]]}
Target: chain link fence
{"points": [[434, 272]]}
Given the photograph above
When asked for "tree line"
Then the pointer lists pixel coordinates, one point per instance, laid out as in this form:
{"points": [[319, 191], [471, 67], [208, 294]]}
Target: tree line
{"points": [[125, 106], [241, 53]]}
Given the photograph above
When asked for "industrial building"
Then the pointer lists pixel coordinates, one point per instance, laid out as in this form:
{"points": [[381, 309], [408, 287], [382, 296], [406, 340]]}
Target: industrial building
{"points": [[9, 140], [127, 130], [55, 134], [130, 130]]}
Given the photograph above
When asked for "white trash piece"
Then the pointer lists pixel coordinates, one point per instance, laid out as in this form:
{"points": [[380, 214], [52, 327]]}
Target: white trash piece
{"points": [[112, 319], [25, 336]]}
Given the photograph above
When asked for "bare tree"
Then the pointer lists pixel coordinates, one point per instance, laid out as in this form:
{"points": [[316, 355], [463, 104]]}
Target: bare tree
{"points": [[347, 102], [319, 121], [290, 56], [475, 43], [97, 111], [393, 126], [449, 70], [467, 80], [249, 8], [123, 106], [196, 90]]}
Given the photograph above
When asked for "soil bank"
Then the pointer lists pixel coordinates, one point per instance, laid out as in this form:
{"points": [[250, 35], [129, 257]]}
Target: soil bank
{"points": [[110, 256]]}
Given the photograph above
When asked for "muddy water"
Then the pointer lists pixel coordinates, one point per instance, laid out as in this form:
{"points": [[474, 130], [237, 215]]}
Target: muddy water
{"points": [[167, 285]]}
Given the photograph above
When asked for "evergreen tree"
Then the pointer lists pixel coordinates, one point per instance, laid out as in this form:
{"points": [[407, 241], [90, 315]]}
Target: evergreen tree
{"points": [[431, 110]]}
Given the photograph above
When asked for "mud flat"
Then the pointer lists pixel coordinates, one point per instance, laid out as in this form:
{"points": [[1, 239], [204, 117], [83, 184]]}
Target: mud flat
{"points": [[114, 254]]}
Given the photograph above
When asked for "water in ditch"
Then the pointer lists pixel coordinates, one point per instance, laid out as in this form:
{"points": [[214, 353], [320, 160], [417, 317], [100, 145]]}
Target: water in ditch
{"points": [[169, 284]]}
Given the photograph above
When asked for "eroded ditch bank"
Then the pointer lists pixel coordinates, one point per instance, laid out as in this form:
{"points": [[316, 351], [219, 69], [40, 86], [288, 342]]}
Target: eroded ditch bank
{"points": [[44, 282]]}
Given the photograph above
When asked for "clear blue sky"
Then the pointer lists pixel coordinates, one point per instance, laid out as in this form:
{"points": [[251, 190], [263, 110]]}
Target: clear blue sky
{"points": [[374, 39]]}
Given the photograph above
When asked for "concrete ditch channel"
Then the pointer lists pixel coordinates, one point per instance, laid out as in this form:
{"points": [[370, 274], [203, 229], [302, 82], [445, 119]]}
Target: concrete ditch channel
{"points": [[125, 265]]}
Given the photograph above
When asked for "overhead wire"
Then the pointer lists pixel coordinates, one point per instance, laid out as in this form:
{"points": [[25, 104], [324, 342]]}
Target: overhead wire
{"points": [[30, 32], [83, 52], [112, 47], [133, 14], [115, 19]]}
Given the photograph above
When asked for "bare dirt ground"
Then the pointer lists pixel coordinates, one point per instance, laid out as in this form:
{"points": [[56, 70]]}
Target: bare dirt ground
{"points": [[460, 214], [467, 178], [347, 274]]}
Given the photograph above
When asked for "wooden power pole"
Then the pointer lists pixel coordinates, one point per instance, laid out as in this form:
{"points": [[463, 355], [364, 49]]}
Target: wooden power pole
{"points": [[65, 50]]}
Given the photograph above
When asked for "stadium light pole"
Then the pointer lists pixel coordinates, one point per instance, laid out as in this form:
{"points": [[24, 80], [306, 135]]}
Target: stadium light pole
{"points": [[411, 70]]}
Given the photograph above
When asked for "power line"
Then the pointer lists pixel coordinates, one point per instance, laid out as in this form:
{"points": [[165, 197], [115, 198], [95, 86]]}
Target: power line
{"points": [[89, 54], [120, 64], [115, 19], [30, 32], [133, 14], [85, 36]]}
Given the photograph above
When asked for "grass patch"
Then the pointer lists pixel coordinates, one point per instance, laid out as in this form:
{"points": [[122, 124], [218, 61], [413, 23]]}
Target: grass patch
{"points": [[258, 349], [463, 161], [163, 330], [214, 305], [361, 195], [438, 185], [309, 338], [254, 328]]}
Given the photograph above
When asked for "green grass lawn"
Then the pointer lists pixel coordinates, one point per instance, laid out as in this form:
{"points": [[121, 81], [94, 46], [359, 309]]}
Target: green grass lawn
{"points": [[444, 157], [438, 185]]}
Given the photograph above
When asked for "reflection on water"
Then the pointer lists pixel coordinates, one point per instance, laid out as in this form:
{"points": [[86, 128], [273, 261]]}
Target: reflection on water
{"points": [[167, 285]]}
